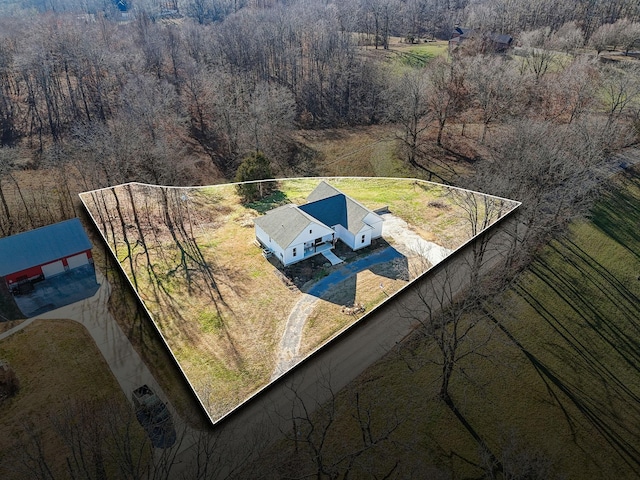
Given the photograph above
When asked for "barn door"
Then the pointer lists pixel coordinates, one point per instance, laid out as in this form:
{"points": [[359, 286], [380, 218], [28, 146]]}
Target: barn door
{"points": [[52, 269]]}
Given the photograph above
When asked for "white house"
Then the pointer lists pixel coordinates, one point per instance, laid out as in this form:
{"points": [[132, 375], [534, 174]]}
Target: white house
{"points": [[293, 233]]}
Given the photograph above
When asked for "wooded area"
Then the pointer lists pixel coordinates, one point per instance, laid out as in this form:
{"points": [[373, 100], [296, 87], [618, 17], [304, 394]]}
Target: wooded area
{"points": [[93, 100]]}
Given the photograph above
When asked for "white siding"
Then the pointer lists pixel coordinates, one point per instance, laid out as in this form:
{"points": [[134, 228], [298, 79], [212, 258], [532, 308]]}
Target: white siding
{"points": [[269, 243], [375, 222], [309, 234], [364, 232], [346, 236]]}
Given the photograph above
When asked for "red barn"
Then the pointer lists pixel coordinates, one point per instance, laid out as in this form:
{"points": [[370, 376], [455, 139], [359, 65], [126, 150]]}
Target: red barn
{"points": [[44, 252]]}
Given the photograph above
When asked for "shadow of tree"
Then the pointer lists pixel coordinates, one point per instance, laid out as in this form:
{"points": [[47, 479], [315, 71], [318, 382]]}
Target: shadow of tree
{"points": [[618, 213]]}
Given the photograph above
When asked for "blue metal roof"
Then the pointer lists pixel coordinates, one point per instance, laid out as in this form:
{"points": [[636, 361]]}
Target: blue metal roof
{"points": [[42, 245], [331, 211]]}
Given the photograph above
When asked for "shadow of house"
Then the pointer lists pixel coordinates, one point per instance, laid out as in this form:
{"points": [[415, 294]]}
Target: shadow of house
{"points": [[387, 262], [48, 254]]}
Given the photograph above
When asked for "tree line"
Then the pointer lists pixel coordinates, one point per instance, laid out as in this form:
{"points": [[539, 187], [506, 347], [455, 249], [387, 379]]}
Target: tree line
{"points": [[185, 101]]}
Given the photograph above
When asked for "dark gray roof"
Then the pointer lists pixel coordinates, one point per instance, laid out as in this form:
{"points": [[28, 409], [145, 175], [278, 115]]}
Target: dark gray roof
{"points": [[284, 224], [322, 191], [330, 211], [42, 245]]}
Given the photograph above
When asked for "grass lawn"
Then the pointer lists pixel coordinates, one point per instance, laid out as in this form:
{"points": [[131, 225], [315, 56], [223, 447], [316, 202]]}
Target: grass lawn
{"points": [[557, 381], [356, 151], [373, 151], [402, 56], [77, 371], [219, 304]]}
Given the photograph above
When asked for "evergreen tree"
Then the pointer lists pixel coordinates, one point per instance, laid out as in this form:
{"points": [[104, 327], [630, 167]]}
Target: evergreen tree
{"points": [[254, 167]]}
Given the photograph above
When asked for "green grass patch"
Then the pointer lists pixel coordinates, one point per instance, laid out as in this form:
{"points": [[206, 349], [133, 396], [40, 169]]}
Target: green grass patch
{"points": [[209, 321], [273, 200], [419, 56]]}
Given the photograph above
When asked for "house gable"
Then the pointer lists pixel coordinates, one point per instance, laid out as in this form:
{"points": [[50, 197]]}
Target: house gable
{"points": [[284, 225]]}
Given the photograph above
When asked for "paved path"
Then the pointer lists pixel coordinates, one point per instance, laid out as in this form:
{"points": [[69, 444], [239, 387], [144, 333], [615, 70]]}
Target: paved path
{"points": [[123, 360], [332, 257], [17, 328], [289, 347]]}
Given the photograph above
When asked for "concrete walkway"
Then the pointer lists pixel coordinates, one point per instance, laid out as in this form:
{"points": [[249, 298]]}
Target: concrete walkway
{"points": [[332, 257], [125, 363], [17, 328]]}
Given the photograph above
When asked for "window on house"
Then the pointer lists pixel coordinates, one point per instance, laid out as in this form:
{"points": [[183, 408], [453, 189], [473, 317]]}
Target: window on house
{"points": [[363, 236], [295, 251]]}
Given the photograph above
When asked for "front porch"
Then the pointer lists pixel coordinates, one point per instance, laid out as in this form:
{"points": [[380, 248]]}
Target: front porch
{"points": [[312, 248]]}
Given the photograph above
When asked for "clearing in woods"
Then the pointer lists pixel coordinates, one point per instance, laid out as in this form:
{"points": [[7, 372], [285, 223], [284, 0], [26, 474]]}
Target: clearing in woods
{"points": [[222, 308]]}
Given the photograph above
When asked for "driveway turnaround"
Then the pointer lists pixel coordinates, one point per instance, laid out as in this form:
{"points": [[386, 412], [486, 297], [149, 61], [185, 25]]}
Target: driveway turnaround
{"points": [[410, 242], [125, 363]]}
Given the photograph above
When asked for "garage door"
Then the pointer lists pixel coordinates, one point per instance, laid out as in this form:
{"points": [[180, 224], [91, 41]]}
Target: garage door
{"points": [[52, 269], [77, 260]]}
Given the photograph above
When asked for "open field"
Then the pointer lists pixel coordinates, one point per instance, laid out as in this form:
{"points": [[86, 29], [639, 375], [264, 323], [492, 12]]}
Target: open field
{"points": [[403, 56], [219, 304], [373, 151], [78, 372], [556, 386]]}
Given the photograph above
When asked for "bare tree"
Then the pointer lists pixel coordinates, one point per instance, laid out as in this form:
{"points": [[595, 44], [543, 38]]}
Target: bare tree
{"points": [[447, 92], [408, 107], [312, 438], [620, 88], [495, 89]]}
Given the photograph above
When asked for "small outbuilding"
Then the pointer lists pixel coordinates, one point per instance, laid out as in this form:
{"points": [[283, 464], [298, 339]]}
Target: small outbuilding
{"points": [[43, 253]]}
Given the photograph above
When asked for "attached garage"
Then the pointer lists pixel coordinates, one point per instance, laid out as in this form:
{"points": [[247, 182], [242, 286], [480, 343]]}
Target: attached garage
{"points": [[44, 252]]}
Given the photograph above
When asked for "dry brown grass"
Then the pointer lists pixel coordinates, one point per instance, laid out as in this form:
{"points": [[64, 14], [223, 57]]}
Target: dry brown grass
{"points": [[55, 360], [226, 338], [327, 319], [355, 151]]}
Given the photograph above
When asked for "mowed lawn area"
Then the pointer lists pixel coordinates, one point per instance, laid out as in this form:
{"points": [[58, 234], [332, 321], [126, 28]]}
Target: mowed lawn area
{"points": [[220, 305], [556, 387], [59, 398]]}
